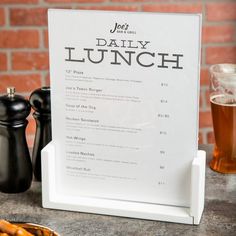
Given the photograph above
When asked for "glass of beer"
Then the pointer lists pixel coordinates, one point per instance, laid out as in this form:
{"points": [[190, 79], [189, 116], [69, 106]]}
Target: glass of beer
{"points": [[223, 108]]}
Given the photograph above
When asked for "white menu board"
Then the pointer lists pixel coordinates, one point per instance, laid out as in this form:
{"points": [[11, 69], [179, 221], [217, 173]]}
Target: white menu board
{"points": [[125, 103]]}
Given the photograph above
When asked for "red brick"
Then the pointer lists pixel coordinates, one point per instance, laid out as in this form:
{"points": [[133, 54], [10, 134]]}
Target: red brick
{"points": [[210, 137], [74, 1], [47, 80], [3, 61], [221, 11], [138, 0], [2, 17], [223, 54], [30, 140], [207, 98], [205, 77], [200, 138], [205, 119], [218, 33], [188, 8], [30, 60], [22, 83], [19, 39], [45, 38], [200, 100], [18, 1], [31, 127], [28, 17], [111, 8]]}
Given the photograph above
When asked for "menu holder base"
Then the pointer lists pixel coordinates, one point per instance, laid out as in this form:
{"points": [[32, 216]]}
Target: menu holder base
{"points": [[186, 215]]}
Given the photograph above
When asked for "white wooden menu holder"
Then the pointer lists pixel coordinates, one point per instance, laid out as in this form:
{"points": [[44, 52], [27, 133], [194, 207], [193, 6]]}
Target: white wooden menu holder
{"points": [[178, 214]]}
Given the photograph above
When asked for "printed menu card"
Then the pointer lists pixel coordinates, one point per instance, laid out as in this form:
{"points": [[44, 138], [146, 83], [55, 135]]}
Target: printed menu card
{"points": [[125, 90]]}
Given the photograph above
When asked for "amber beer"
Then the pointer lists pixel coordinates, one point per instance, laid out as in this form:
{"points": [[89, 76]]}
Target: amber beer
{"points": [[224, 122]]}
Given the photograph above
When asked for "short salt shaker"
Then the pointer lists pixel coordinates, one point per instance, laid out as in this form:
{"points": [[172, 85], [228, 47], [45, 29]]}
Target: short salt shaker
{"points": [[40, 102], [15, 162]]}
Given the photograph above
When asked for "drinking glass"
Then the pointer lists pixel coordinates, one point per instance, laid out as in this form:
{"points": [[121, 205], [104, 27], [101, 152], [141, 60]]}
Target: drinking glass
{"points": [[223, 108]]}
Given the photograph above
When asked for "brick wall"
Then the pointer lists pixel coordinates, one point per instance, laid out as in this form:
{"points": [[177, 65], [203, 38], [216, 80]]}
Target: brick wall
{"points": [[24, 47]]}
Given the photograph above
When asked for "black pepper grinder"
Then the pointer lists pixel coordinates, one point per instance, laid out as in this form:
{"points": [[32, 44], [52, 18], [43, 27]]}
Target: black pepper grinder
{"points": [[40, 102], [15, 162]]}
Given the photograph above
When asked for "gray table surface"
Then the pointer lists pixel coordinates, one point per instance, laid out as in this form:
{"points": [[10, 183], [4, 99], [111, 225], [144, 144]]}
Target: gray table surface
{"points": [[219, 217]]}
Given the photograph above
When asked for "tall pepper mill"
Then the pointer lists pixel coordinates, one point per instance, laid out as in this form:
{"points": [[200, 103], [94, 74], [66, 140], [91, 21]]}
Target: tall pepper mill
{"points": [[40, 102], [15, 162]]}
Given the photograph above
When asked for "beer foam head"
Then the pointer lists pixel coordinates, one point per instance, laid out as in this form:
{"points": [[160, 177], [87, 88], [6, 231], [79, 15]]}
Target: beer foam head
{"points": [[224, 78], [223, 100]]}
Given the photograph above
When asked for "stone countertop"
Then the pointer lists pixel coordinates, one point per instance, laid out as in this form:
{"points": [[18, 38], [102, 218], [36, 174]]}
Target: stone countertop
{"points": [[219, 217]]}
